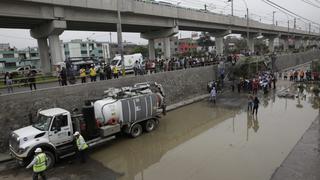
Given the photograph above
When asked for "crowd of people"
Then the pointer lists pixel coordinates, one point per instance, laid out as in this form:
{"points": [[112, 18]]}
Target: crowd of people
{"points": [[299, 75], [263, 80], [106, 72], [29, 79], [155, 66]]}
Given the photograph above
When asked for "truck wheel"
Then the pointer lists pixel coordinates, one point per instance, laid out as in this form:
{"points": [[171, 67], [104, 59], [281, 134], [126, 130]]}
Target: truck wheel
{"points": [[150, 125], [51, 159], [136, 130]]}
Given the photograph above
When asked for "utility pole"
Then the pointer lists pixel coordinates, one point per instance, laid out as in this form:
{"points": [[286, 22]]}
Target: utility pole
{"points": [[295, 23], [205, 7], [110, 34], [248, 34], [288, 25], [231, 7], [309, 28], [119, 31], [273, 17]]}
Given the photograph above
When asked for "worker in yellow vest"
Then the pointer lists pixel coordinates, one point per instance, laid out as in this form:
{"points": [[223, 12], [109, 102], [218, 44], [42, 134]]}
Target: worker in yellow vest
{"points": [[82, 146], [115, 72], [39, 164], [123, 71], [83, 75], [93, 74]]}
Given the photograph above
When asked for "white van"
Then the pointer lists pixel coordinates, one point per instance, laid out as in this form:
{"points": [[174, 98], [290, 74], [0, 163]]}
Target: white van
{"points": [[129, 61]]}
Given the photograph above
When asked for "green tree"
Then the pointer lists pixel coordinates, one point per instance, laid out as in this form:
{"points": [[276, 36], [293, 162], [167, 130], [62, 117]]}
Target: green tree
{"points": [[205, 41], [141, 49]]}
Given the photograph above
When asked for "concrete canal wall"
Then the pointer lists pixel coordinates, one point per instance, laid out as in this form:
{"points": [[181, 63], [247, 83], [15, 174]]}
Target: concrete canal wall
{"points": [[179, 85], [14, 109], [286, 61]]}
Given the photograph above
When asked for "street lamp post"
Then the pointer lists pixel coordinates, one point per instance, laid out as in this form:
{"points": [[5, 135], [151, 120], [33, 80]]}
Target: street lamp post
{"points": [[247, 16], [231, 6], [119, 32], [273, 17]]}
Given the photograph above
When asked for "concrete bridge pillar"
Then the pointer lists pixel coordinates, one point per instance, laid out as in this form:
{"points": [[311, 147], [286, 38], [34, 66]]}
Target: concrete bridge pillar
{"points": [[297, 43], [165, 34], [55, 49], [251, 43], [167, 48], [271, 44], [219, 45], [152, 52], [271, 41], [219, 36], [50, 30], [318, 43], [44, 55], [305, 44], [285, 44], [250, 40]]}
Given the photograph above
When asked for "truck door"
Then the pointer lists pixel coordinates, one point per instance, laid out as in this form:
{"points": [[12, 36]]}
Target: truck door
{"points": [[60, 130]]}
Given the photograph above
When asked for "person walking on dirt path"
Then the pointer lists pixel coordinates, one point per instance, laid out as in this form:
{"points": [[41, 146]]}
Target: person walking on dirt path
{"points": [[8, 82], [39, 164], [256, 103], [32, 80], [63, 76]]}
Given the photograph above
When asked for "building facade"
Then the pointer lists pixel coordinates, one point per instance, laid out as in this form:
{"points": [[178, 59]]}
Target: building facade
{"points": [[187, 45], [11, 58], [102, 51], [174, 47]]}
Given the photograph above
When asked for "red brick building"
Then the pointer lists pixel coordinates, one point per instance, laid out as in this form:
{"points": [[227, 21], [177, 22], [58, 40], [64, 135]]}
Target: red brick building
{"points": [[187, 45]]}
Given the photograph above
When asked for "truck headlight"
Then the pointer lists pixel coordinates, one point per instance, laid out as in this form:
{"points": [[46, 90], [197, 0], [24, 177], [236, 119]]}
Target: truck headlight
{"points": [[22, 150]]}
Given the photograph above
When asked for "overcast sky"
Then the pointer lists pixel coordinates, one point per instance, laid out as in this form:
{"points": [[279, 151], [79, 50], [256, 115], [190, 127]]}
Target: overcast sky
{"points": [[258, 11]]}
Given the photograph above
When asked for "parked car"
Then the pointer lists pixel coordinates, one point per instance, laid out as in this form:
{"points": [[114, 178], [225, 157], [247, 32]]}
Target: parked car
{"points": [[25, 70]]}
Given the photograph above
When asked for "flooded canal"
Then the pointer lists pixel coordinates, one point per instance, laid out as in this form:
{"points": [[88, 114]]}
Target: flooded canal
{"points": [[200, 141]]}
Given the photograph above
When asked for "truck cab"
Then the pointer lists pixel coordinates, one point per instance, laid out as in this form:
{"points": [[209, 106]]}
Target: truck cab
{"points": [[51, 130]]}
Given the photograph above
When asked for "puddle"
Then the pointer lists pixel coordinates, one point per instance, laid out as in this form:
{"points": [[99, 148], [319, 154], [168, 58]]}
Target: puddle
{"points": [[201, 141]]}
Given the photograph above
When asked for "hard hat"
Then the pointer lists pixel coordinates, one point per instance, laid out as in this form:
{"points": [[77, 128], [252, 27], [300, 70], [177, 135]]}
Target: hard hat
{"points": [[38, 150], [76, 133]]}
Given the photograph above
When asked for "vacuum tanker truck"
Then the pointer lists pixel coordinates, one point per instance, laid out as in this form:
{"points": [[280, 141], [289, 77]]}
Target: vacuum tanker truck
{"points": [[128, 110]]}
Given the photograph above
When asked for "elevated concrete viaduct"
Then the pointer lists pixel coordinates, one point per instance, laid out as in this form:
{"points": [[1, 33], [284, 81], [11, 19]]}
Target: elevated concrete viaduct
{"points": [[47, 19]]}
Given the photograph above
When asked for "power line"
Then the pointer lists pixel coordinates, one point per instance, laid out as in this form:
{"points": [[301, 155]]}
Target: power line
{"points": [[311, 3], [295, 14]]}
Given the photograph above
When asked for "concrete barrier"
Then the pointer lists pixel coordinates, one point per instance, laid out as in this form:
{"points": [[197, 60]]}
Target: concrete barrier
{"points": [[290, 60], [179, 85]]}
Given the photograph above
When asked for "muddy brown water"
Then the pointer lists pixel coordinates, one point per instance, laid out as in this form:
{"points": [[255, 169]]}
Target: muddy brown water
{"points": [[202, 142]]}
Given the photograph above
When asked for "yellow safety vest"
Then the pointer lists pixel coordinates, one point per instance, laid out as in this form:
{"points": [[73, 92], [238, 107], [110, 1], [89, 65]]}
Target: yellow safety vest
{"points": [[40, 165], [93, 72], [82, 145], [82, 73], [115, 70]]}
